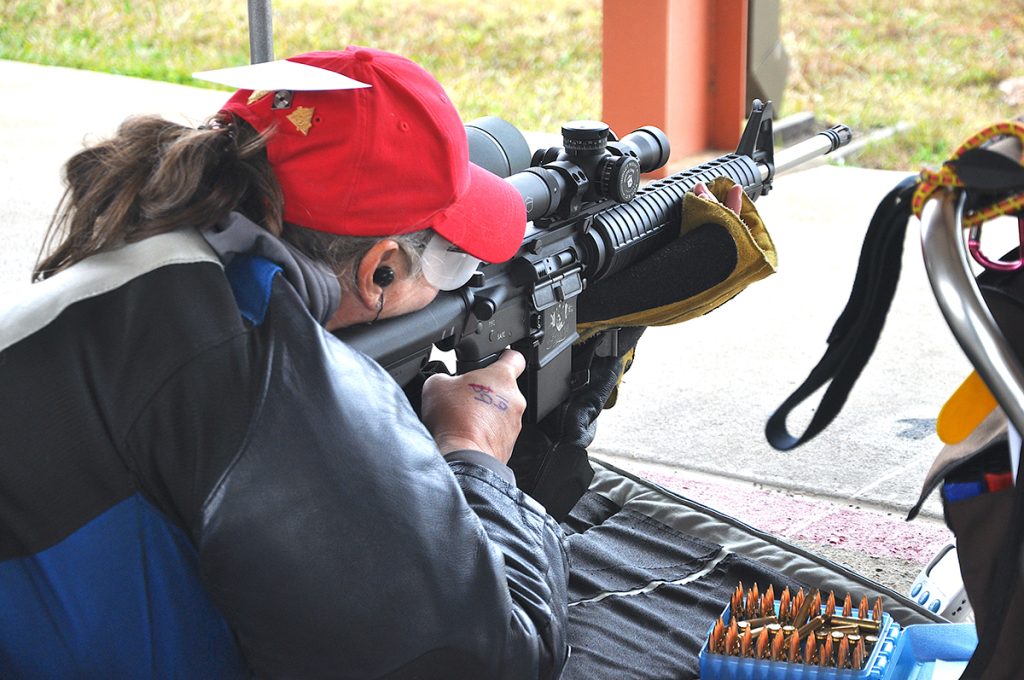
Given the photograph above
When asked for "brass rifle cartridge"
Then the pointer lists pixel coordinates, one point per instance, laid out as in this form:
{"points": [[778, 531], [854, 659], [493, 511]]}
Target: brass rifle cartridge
{"points": [[784, 600], [731, 641], [810, 650], [843, 654], [855, 640], [715, 643], [761, 621], [830, 604], [761, 650], [811, 626], [794, 648], [776, 651], [774, 630], [746, 642], [826, 653], [876, 613], [863, 624], [787, 631], [862, 608], [848, 606], [857, 657], [755, 630], [751, 607], [800, 617], [846, 629]]}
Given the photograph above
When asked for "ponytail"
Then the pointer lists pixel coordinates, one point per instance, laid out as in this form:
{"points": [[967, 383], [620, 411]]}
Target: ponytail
{"points": [[155, 176]]}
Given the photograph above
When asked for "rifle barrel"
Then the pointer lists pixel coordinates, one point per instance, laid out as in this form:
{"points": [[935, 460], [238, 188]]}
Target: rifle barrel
{"points": [[820, 144]]}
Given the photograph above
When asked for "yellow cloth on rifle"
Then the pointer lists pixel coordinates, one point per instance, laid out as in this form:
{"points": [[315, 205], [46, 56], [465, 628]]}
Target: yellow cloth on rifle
{"points": [[755, 259]]}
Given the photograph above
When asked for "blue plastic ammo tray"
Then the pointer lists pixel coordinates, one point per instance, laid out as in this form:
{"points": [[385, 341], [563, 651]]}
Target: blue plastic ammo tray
{"points": [[723, 667]]}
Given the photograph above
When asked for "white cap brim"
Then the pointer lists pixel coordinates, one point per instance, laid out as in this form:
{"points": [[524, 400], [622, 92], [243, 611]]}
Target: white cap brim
{"points": [[279, 75]]}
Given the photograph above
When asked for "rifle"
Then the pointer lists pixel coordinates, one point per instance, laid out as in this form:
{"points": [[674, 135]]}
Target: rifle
{"points": [[590, 219]]}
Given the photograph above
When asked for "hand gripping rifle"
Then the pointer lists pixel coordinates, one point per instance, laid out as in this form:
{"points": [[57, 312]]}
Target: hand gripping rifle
{"points": [[590, 219]]}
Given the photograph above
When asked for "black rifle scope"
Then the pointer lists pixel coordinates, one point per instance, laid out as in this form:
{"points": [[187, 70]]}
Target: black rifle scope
{"points": [[591, 166]]}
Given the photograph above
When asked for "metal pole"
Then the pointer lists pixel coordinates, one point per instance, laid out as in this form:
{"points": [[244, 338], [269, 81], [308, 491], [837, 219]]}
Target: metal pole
{"points": [[261, 32]]}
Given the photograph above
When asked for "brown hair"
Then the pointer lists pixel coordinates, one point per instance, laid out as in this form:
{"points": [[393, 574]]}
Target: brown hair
{"points": [[154, 176]]}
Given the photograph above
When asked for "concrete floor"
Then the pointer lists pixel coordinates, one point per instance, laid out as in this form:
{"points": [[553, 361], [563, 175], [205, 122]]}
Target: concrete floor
{"points": [[698, 396]]}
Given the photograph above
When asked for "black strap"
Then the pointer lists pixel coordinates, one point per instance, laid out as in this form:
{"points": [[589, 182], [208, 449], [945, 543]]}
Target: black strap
{"points": [[856, 332]]}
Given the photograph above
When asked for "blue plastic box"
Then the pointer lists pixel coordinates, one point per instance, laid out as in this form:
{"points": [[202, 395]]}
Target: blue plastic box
{"points": [[722, 667], [921, 647]]}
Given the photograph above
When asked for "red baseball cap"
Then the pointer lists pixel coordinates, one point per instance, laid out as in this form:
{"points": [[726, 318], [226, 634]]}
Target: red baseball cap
{"points": [[382, 160]]}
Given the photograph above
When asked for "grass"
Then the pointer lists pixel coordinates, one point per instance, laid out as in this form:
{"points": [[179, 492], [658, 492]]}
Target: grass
{"points": [[873, 63], [536, 63], [867, 63]]}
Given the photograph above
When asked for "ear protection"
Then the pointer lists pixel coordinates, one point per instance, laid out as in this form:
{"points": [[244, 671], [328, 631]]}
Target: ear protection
{"points": [[384, 276]]}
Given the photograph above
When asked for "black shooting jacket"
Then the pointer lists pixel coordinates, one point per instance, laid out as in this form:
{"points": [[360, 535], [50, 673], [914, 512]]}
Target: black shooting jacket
{"points": [[197, 480]]}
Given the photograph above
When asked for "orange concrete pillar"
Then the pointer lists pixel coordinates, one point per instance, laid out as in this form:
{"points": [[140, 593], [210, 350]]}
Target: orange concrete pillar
{"points": [[679, 65]]}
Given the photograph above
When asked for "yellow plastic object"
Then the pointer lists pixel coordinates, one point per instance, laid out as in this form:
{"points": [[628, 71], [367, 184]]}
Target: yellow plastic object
{"points": [[964, 410]]}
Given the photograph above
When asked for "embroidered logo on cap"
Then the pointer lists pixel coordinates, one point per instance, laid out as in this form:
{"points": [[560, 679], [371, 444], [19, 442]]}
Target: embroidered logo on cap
{"points": [[256, 96], [302, 119]]}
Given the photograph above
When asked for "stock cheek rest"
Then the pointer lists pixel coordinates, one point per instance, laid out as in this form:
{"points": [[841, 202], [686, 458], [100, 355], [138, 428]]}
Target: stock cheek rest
{"points": [[716, 256]]}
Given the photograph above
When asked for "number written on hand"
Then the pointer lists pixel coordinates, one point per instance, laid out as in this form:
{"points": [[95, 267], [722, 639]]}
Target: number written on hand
{"points": [[488, 396]]}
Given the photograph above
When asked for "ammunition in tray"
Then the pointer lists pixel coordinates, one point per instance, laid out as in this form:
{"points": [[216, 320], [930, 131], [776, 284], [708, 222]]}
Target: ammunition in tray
{"points": [[801, 630]]}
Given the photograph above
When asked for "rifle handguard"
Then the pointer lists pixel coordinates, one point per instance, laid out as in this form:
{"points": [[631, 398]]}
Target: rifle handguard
{"points": [[755, 258]]}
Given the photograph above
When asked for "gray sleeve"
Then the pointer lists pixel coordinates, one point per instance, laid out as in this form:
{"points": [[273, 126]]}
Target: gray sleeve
{"points": [[483, 460], [536, 568]]}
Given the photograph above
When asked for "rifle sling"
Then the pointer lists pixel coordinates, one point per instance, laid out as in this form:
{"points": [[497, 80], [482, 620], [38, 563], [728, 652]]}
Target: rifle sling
{"points": [[856, 331]]}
